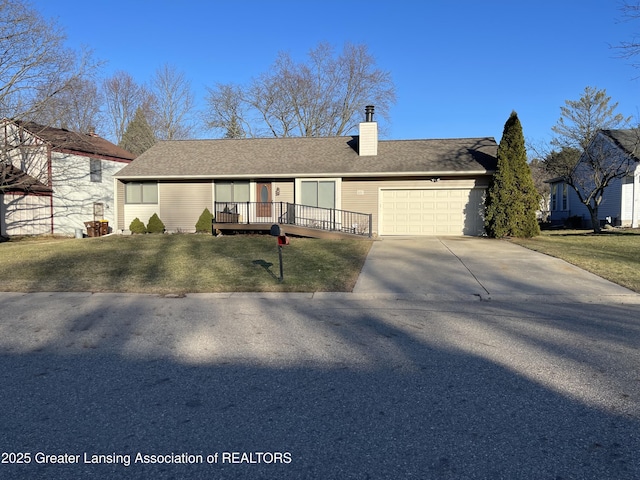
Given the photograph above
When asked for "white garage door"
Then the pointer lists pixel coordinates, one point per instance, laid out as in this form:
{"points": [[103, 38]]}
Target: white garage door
{"points": [[432, 212]]}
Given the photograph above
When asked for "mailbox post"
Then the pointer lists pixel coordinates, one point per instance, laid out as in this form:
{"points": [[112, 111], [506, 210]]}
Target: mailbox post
{"points": [[276, 231]]}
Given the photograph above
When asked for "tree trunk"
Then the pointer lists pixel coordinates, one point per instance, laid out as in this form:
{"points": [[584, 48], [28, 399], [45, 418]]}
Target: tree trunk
{"points": [[595, 223]]}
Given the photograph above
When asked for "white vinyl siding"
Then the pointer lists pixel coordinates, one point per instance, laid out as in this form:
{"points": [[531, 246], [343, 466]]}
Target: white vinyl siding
{"points": [[25, 214], [74, 194]]}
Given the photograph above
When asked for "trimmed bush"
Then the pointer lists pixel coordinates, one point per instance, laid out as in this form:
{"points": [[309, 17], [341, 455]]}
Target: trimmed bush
{"points": [[203, 225], [137, 226], [155, 225]]}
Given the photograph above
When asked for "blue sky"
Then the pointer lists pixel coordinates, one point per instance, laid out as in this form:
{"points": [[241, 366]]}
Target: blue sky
{"points": [[459, 67]]}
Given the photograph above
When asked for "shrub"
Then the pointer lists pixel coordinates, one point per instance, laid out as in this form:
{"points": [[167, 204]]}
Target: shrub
{"points": [[155, 225], [137, 226], [204, 222]]}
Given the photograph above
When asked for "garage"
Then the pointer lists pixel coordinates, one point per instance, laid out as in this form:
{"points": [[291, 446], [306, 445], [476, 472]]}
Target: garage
{"points": [[433, 211]]}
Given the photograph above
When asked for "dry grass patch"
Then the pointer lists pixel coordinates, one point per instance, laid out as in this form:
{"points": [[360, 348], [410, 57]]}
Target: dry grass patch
{"points": [[179, 264], [614, 255]]}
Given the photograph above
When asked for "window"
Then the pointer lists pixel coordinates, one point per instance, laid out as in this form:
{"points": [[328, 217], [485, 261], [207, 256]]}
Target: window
{"points": [[95, 169], [318, 193], [565, 197], [141, 192], [554, 197], [98, 210], [232, 192]]}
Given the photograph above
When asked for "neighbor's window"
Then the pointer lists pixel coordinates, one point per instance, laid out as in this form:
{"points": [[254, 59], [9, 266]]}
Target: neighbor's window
{"points": [[95, 169], [232, 192], [318, 193], [565, 196], [141, 192], [98, 210], [554, 196]]}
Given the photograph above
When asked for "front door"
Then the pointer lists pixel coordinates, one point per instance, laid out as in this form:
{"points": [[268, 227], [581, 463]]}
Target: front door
{"points": [[263, 194]]}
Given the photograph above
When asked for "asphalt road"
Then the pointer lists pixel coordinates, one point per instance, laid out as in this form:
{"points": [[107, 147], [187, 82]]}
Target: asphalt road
{"points": [[318, 386]]}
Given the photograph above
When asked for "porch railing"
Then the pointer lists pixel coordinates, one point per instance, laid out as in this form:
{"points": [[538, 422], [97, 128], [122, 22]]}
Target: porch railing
{"points": [[328, 219]]}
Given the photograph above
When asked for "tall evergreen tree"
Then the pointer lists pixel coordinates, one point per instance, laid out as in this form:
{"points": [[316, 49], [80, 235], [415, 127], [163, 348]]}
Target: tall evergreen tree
{"points": [[138, 136], [512, 199]]}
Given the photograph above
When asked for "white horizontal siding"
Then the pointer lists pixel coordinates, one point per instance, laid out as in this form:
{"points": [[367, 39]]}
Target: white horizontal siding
{"points": [[25, 214]]}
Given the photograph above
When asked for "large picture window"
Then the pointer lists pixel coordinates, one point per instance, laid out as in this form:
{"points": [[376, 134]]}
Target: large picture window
{"points": [[318, 193], [141, 192], [232, 192]]}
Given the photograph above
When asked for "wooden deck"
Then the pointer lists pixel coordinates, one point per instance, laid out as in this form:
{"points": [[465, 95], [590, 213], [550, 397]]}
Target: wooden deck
{"points": [[288, 229]]}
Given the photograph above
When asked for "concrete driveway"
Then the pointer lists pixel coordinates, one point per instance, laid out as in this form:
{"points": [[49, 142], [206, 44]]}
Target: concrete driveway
{"points": [[481, 267]]}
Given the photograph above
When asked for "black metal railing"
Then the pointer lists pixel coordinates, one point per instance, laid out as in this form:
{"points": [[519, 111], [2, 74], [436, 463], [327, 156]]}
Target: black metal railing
{"points": [[328, 219]]}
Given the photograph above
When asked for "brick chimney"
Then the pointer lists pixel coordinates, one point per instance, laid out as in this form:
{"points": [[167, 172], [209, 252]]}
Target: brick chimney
{"points": [[368, 139]]}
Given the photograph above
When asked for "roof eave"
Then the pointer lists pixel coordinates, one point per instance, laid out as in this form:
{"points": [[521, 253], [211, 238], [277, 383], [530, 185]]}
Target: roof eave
{"points": [[430, 173]]}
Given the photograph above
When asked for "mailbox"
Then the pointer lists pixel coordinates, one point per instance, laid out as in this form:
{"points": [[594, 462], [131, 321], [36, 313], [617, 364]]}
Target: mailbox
{"points": [[283, 240], [276, 231]]}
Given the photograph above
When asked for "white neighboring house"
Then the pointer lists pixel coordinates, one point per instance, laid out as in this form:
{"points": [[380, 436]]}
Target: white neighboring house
{"points": [[53, 180], [621, 201]]}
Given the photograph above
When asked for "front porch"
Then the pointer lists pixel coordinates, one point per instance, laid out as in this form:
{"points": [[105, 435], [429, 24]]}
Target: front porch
{"points": [[295, 219]]}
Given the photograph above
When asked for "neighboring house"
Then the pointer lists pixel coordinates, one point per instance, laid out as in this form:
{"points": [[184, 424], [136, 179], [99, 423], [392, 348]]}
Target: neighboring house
{"points": [[620, 204], [402, 187], [24, 201], [53, 180]]}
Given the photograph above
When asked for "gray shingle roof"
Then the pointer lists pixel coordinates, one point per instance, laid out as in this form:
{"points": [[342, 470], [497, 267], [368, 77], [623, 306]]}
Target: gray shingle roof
{"points": [[627, 139], [279, 157]]}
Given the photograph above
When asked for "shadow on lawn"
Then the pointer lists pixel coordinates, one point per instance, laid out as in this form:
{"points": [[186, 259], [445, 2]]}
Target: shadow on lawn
{"points": [[623, 232], [267, 266]]}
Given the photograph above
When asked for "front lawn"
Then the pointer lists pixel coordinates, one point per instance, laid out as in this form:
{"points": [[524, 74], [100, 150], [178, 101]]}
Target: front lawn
{"points": [[177, 264], [614, 255]]}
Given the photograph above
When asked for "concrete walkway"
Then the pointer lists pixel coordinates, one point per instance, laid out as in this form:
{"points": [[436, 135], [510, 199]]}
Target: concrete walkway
{"points": [[477, 267]]}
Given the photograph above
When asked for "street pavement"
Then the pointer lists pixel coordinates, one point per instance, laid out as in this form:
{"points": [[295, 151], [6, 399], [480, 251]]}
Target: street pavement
{"points": [[438, 366]]}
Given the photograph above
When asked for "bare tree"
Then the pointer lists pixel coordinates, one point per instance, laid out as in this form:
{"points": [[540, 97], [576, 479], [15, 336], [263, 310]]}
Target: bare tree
{"points": [[323, 96], [580, 120], [227, 111], [123, 96], [77, 108], [584, 128], [630, 48], [539, 175], [173, 106], [35, 66]]}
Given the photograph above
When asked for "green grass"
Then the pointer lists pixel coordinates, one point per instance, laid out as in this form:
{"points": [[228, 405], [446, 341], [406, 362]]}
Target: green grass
{"points": [[614, 255], [178, 264]]}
